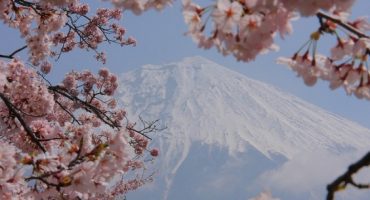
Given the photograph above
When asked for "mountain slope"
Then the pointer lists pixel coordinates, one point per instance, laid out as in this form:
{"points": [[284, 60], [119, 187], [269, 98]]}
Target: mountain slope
{"points": [[207, 106]]}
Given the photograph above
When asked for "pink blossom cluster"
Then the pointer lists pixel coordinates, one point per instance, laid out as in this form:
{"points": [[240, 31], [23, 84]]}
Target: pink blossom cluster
{"points": [[139, 6], [51, 28], [82, 131], [12, 183], [68, 141], [91, 32], [311, 7], [36, 27], [246, 28], [97, 90], [346, 66], [138, 141], [57, 3], [25, 89], [91, 85], [241, 28]]}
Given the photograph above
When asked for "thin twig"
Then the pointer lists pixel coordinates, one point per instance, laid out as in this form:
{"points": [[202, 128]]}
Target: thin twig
{"points": [[88, 107], [11, 56], [339, 22], [68, 112]]}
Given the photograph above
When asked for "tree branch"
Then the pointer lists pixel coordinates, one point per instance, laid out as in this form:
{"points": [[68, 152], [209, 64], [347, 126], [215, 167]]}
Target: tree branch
{"points": [[345, 25], [346, 178], [28, 130], [68, 112], [148, 126], [77, 159], [88, 107], [11, 56]]}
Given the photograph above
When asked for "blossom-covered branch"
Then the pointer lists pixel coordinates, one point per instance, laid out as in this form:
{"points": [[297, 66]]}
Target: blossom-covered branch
{"points": [[339, 22], [48, 120], [28, 130], [64, 25], [246, 29], [70, 140], [346, 66]]}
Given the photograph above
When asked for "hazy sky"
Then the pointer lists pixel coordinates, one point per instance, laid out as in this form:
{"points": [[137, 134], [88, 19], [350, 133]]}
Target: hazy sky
{"points": [[161, 39]]}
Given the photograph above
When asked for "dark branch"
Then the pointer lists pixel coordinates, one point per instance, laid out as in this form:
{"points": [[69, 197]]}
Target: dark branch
{"points": [[88, 107], [339, 22], [50, 139], [68, 112], [148, 126], [28, 130], [11, 56], [346, 178], [24, 3]]}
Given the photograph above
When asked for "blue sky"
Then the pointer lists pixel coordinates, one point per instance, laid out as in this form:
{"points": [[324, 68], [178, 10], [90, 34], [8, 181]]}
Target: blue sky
{"points": [[161, 39]]}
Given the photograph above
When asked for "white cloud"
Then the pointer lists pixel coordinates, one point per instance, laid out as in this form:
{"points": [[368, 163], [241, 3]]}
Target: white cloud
{"points": [[266, 195], [308, 173]]}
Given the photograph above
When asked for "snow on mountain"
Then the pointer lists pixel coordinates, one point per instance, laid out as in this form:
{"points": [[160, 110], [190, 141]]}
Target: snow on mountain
{"points": [[224, 123]]}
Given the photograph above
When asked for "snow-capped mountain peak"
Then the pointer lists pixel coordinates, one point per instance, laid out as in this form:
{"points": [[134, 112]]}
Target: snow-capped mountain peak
{"points": [[202, 101], [220, 120]]}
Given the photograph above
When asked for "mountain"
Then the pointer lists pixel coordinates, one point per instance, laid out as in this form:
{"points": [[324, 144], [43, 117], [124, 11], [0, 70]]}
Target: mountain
{"points": [[229, 137]]}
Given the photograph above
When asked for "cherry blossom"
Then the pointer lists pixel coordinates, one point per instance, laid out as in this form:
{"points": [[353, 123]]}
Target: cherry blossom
{"points": [[139, 6], [11, 182], [67, 140], [241, 28], [346, 66], [63, 145], [246, 29], [227, 15]]}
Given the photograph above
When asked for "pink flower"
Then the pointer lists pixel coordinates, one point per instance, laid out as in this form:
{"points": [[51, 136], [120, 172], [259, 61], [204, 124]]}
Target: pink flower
{"points": [[193, 19], [69, 81], [227, 15], [362, 24], [46, 67], [361, 48], [154, 152], [342, 49], [103, 72]]}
